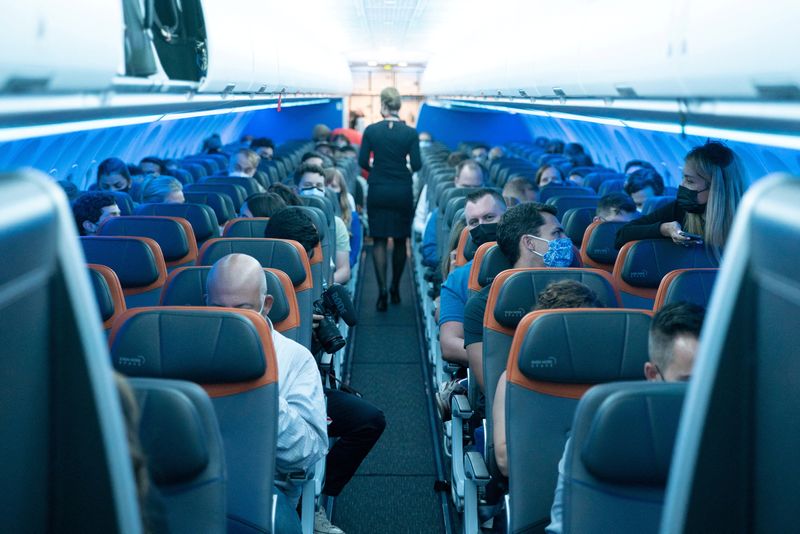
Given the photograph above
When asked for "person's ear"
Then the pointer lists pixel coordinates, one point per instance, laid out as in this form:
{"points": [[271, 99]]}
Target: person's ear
{"points": [[650, 372], [89, 227], [268, 301]]}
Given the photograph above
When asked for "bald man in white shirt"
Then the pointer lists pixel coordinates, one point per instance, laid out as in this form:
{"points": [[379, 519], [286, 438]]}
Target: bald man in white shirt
{"points": [[238, 281]]}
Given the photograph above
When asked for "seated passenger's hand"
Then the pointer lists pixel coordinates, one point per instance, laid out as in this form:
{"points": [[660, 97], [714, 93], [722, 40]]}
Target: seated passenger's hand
{"points": [[672, 230]]}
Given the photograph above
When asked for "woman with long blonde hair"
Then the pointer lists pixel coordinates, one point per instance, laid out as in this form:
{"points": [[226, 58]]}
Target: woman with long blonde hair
{"points": [[711, 190]]}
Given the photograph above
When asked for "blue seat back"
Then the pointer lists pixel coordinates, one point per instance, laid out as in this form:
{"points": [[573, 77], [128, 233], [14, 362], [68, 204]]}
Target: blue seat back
{"points": [[181, 440], [597, 248], [236, 193], [66, 462], [230, 353], [686, 285], [555, 357], [108, 294], [734, 468], [549, 191], [513, 294], [137, 262], [610, 186], [250, 185], [174, 236], [245, 227], [220, 203], [618, 459], [596, 179], [200, 216], [575, 222], [565, 203], [641, 265]]}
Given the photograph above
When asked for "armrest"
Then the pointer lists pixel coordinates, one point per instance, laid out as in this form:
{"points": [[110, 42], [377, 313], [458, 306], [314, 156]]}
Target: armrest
{"points": [[460, 407], [301, 476], [475, 468]]}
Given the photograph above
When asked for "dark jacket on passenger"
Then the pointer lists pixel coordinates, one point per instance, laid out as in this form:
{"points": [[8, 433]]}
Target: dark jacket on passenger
{"points": [[648, 226]]}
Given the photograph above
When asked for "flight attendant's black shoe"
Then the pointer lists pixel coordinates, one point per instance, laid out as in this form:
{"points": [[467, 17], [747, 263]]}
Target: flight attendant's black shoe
{"points": [[382, 305], [395, 294]]}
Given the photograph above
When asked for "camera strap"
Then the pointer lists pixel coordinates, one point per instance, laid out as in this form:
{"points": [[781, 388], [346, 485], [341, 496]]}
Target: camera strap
{"points": [[341, 386]]}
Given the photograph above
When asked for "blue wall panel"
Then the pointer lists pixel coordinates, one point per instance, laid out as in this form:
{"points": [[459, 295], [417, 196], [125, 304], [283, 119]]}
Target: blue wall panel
{"points": [[294, 122], [609, 145], [74, 156], [452, 126]]}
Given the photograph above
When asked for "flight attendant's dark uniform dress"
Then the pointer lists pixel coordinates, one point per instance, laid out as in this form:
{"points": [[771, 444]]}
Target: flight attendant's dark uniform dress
{"points": [[390, 201]]}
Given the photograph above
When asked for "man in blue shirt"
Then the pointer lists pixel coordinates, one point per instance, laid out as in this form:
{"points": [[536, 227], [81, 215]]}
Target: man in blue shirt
{"points": [[484, 206], [469, 173]]}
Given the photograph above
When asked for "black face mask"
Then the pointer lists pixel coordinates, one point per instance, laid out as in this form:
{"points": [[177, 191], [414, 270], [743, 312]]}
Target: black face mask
{"points": [[484, 233], [687, 200]]}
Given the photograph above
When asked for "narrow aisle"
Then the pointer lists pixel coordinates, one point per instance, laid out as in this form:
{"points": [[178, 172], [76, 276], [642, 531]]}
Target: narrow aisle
{"points": [[393, 489]]}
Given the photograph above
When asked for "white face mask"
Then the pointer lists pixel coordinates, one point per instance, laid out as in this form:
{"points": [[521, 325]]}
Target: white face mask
{"points": [[312, 192], [239, 174]]}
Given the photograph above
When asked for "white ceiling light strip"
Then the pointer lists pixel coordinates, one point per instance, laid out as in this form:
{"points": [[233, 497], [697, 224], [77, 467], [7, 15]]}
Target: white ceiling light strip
{"points": [[42, 130], [744, 136]]}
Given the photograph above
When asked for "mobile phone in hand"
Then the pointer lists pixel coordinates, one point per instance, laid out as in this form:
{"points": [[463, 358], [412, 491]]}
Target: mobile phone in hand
{"points": [[693, 237]]}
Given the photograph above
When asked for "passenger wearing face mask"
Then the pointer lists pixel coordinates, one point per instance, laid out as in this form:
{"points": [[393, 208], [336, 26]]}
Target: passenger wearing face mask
{"points": [[310, 181], [528, 235], [113, 175], [712, 187]]}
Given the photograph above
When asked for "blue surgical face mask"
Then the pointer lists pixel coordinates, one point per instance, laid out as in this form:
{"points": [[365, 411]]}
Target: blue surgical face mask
{"points": [[559, 252], [312, 192]]}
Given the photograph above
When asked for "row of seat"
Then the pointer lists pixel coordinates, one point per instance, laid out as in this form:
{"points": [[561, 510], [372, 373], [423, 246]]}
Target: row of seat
{"points": [[543, 392], [641, 269]]}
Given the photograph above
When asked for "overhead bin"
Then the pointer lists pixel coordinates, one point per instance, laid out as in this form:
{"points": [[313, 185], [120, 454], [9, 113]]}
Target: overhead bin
{"points": [[231, 28], [60, 46], [628, 49]]}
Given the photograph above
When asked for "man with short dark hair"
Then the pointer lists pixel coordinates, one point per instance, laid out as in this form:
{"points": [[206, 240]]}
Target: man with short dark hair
{"points": [[292, 223], [310, 181], [469, 173], [152, 165], [312, 158], [91, 209], [642, 184], [264, 147], [636, 164], [479, 153], [615, 207], [672, 345], [483, 209], [672, 342], [528, 235]]}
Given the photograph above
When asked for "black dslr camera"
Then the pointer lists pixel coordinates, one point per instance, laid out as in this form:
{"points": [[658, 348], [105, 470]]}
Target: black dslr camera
{"points": [[334, 303]]}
